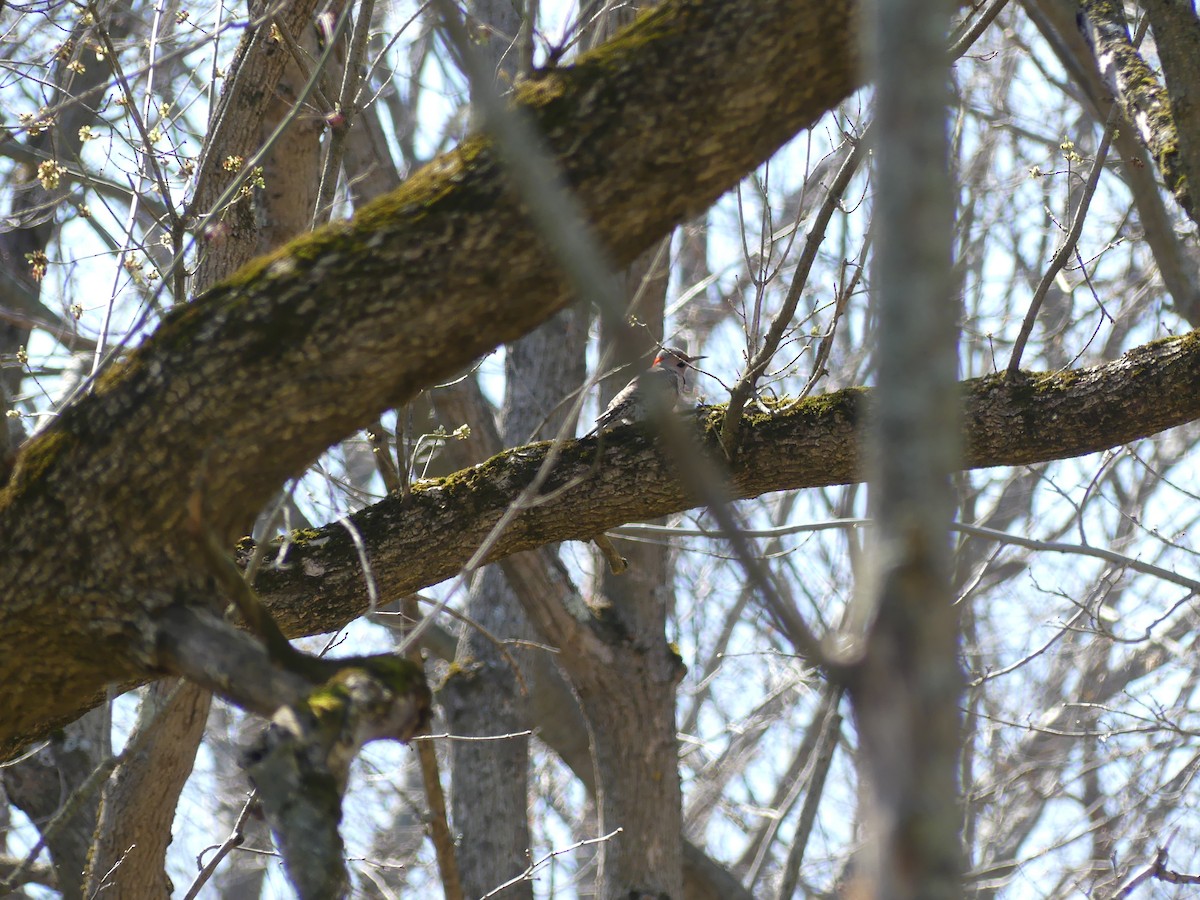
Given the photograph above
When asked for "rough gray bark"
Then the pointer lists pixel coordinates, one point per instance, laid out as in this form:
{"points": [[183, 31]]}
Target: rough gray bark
{"points": [[245, 117], [561, 726], [641, 790], [134, 832], [242, 874], [301, 764], [482, 695], [133, 828], [356, 318], [1177, 37], [1145, 101]]}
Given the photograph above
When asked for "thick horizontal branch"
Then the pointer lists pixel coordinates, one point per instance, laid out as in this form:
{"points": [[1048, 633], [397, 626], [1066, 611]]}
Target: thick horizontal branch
{"points": [[428, 536]]}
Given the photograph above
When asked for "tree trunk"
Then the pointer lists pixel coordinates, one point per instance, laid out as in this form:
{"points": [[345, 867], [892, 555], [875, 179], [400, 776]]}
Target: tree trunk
{"points": [[133, 829], [907, 687], [483, 695]]}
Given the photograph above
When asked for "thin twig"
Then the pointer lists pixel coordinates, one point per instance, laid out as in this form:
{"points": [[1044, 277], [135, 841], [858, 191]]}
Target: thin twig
{"points": [[831, 735], [971, 33], [150, 159], [139, 121], [1004, 537], [468, 738], [49, 113], [1157, 870], [360, 547], [443, 841], [236, 836], [304, 62], [745, 386], [528, 873], [1066, 249], [382, 617], [344, 113], [105, 187], [825, 346], [756, 856]]}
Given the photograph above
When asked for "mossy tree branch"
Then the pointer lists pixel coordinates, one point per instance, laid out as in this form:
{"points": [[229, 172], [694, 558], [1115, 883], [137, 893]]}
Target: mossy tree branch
{"points": [[243, 387], [1140, 93], [1177, 36], [428, 536]]}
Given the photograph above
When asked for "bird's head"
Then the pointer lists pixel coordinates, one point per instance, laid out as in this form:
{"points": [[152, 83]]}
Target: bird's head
{"points": [[674, 360]]}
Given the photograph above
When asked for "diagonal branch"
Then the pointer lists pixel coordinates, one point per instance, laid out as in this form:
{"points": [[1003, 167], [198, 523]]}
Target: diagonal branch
{"points": [[1177, 38], [244, 386], [1139, 92]]}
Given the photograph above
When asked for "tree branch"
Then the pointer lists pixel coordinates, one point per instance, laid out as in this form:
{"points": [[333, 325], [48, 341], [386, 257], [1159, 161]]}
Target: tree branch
{"points": [[1139, 92], [426, 538], [244, 386]]}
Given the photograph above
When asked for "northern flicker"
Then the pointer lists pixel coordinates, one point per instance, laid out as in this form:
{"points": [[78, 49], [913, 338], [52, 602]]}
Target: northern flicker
{"points": [[658, 388]]}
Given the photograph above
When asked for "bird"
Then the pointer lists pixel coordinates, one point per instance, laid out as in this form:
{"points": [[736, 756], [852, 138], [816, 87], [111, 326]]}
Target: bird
{"points": [[657, 389]]}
